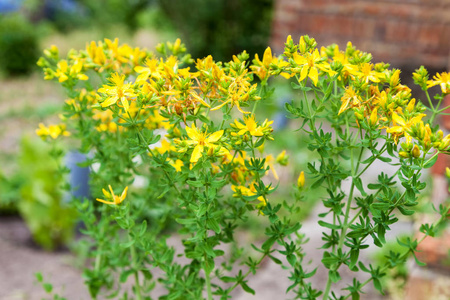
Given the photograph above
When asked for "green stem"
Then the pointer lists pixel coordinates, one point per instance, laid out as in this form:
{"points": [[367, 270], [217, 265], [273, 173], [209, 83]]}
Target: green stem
{"points": [[208, 285], [134, 260]]}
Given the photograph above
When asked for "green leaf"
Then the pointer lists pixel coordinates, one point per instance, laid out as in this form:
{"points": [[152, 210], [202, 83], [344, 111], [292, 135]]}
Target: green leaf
{"points": [[187, 221], [214, 225], [404, 211], [39, 276], [385, 159], [124, 275], [334, 276], [247, 288], [268, 244], [143, 228], [328, 225], [354, 254], [275, 260], [431, 162], [359, 185], [47, 287], [291, 259], [195, 183], [228, 279], [127, 244], [377, 285]]}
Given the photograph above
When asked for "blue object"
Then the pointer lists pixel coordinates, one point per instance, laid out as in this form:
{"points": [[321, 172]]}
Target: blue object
{"points": [[7, 6], [79, 176]]}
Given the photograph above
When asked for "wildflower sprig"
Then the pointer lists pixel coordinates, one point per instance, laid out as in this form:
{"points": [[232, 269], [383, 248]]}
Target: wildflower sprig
{"points": [[185, 136]]}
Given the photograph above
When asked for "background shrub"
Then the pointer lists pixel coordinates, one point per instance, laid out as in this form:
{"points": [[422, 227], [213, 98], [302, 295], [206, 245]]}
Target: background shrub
{"points": [[18, 45]]}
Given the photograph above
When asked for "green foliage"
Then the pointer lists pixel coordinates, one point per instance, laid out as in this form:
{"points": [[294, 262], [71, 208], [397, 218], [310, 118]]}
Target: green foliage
{"points": [[41, 205], [221, 28], [18, 45], [204, 173]]}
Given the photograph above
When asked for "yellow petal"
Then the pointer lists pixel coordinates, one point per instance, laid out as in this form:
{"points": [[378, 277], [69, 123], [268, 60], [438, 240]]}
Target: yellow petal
{"points": [[314, 75], [191, 132], [196, 154], [125, 103], [267, 59], [104, 201], [399, 120], [215, 136], [303, 73], [200, 99], [110, 101]]}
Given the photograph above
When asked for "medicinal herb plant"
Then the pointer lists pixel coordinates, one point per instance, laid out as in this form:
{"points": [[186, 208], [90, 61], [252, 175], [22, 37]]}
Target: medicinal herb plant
{"points": [[189, 131]]}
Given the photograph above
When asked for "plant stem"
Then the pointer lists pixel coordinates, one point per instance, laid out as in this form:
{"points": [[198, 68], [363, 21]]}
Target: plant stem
{"points": [[208, 285]]}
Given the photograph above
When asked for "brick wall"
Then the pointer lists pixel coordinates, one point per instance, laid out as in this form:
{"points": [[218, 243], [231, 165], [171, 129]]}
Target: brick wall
{"points": [[405, 33]]}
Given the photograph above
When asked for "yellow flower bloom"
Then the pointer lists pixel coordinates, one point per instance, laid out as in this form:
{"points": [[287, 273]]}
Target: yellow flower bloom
{"points": [[177, 165], [54, 131], [269, 163], [443, 79], [349, 97], [251, 126], [310, 65], [150, 70], [367, 74], [64, 72], [96, 53], [117, 91], [166, 146], [403, 127], [245, 191], [202, 140], [111, 196]]}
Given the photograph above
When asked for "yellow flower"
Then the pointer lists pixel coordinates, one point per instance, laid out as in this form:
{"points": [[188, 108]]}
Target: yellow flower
{"points": [[63, 71], [310, 65], [177, 164], [251, 126], [202, 140], [301, 180], [111, 196], [53, 131], [443, 80], [166, 146], [117, 91], [262, 68], [367, 74], [349, 97], [245, 191], [269, 163], [239, 90], [403, 127], [150, 70], [96, 53]]}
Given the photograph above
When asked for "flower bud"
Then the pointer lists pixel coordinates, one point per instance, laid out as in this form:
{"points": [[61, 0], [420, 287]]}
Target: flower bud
{"points": [[282, 158], [421, 77], [403, 154], [301, 180], [395, 78], [415, 151], [373, 117]]}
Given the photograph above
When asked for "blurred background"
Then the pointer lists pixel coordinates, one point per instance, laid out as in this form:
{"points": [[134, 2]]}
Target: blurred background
{"points": [[404, 33]]}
